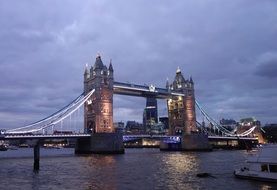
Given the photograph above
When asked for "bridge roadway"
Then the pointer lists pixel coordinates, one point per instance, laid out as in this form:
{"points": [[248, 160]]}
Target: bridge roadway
{"points": [[143, 90], [125, 137], [43, 137]]}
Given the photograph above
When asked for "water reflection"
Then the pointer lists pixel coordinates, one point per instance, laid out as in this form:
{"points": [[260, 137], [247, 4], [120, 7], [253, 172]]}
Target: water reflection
{"points": [[136, 169], [101, 171], [181, 162], [101, 160], [181, 169]]}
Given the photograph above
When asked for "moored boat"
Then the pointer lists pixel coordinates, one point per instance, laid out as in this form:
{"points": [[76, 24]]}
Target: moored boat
{"points": [[3, 147], [262, 166]]}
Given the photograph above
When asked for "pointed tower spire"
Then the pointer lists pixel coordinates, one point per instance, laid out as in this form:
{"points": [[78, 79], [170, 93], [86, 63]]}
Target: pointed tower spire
{"points": [[86, 73], [98, 55], [111, 65], [98, 62], [178, 70], [86, 68], [167, 83], [190, 80]]}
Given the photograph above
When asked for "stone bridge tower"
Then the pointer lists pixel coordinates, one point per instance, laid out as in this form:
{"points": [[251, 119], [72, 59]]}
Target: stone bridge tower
{"points": [[98, 110], [181, 110]]}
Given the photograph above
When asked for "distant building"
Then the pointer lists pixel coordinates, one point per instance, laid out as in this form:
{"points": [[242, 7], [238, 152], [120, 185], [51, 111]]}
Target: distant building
{"points": [[157, 129], [150, 114], [228, 123], [164, 120], [119, 127], [133, 127], [248, 122], [270, 132]]}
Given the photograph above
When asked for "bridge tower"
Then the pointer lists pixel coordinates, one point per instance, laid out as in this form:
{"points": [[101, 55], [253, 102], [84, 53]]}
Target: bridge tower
{"points": [[181, 117], [98, 110], [181, 110]]}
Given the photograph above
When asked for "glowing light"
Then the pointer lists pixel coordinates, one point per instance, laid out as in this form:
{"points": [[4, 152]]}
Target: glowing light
{"points": [[152, 88], [89, 102]]}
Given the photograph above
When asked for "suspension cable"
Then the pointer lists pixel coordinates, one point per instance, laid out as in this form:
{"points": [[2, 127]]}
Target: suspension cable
{"points": [[51, 116], [64, 115]]}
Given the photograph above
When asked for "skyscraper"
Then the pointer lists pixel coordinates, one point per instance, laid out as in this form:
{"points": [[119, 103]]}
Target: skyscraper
{"points": [[150, 114]]}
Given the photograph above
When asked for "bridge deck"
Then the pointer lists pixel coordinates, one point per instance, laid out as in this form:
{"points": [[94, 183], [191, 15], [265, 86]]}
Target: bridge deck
{"points": [[70, 136], [143, 91], [30, 137]]}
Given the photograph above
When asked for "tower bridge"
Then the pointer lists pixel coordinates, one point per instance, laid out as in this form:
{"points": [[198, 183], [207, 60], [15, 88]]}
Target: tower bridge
{"points": [[99, 133], [98, 110]]}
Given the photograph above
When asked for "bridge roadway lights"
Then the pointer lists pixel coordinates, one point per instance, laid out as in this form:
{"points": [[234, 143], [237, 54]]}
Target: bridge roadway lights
{"points": [[189, 142], [100, 143]]}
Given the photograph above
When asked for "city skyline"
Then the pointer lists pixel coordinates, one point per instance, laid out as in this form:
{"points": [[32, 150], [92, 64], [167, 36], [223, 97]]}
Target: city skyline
{"points": [[227, 48]]}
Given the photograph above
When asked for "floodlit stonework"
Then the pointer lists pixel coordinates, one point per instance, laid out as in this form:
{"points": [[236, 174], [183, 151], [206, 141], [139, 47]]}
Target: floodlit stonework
{"points": [[181, 110], [98, 110]]}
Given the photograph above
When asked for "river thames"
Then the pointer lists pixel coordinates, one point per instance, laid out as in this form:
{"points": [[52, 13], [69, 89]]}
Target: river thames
{"points": [[136, 169]]}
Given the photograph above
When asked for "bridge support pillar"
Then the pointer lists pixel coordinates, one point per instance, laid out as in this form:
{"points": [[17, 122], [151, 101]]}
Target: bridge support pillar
{"points": [[36, 156], [101, 143], [195, 142], [189, 142]]}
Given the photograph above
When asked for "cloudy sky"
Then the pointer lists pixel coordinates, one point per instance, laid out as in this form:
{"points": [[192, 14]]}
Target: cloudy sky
{"points": [[228, 47]]}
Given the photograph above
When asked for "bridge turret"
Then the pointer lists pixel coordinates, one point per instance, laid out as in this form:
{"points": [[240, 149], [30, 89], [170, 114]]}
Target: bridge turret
{"points": [[110, 75], [167, 86], [86, 73], [179, 81], [91, 71], [98, 63], [111, 66], [190, 80]]}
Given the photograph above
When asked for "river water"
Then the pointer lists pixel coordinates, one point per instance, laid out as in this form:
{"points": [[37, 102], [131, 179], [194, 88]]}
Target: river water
{"points": [[136, 169]]}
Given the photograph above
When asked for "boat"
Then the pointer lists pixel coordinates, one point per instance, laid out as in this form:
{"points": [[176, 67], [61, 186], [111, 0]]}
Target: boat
{"points": [[3, 147], [262, 166]]}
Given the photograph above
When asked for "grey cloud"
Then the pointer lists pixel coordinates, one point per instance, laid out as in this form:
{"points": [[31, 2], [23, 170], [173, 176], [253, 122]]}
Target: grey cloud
{"points": [[267, 65], [223, 45]]}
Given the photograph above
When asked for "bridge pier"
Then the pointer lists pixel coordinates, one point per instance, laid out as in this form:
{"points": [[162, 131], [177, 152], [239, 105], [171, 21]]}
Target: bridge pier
{"points": [[101, 143], [36, 156], [189, 142], [195, 142]]}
